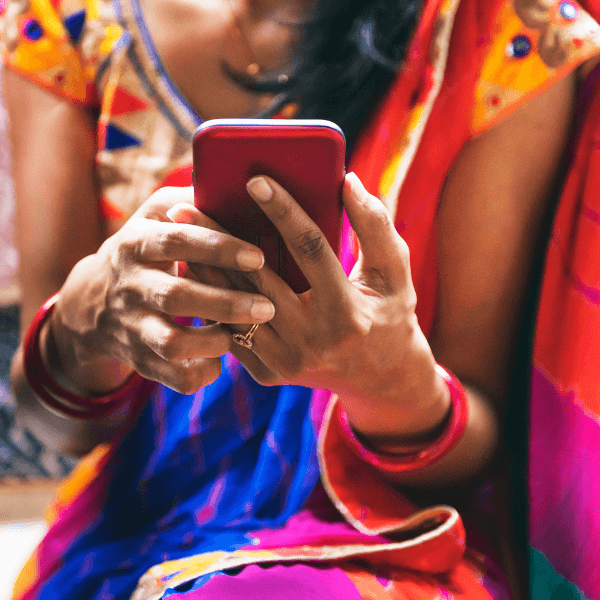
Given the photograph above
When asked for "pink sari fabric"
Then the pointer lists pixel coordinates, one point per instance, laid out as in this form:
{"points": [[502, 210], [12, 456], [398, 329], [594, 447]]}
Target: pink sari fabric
{"points": [[564, 462]]}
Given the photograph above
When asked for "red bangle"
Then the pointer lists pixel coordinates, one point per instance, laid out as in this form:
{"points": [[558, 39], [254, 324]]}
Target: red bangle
{"points": [[55, 397], [423, 457]]}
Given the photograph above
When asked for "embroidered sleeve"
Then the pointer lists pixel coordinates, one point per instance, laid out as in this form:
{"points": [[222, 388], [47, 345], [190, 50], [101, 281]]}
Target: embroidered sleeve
{"points": [[534, 43], [60, 45]]}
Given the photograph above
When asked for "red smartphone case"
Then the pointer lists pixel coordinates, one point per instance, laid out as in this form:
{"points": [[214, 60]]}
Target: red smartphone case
{"points": [[305, 157]]}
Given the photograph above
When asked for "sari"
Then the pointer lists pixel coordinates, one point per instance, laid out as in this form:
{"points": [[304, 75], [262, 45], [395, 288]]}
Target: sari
{"points": [[243, 491], [564, 416]]}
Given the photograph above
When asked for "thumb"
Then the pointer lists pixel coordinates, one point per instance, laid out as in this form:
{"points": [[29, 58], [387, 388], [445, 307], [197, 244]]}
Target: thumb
{"points": [[381, 246]]}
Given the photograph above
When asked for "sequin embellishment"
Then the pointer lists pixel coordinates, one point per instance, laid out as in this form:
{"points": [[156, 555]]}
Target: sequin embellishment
{"points": [[568, 11], [519, 47], [32, 30]]}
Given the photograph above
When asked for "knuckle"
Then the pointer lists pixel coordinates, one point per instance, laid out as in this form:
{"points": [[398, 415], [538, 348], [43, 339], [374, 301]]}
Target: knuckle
{"points": [[381, 216], [125, 297], [357, 325], [167, 344], [126, 251], [211, 371], [410, 302], [125, 289], [379, 280], [214, 243], [177, 385], [185, 377], [403, 250], [160, 196], [323, 355], [169, 296], [193, 374], [163, 199], [357, 329], [283, 211], [170, 240], [310, 245]]}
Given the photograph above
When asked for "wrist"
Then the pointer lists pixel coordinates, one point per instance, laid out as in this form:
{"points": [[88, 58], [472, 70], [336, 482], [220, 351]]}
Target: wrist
{"points": [[408, 414], [54, 396], [394, 456], [79, 371]]}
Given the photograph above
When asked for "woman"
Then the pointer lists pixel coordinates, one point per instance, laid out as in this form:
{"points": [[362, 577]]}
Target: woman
{"points": [[226, 479]]}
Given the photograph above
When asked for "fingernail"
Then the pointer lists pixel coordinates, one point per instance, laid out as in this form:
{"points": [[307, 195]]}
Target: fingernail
{"points": [[262, 310], [248, 259], [260, 189], [180, 213], [356, 186]]}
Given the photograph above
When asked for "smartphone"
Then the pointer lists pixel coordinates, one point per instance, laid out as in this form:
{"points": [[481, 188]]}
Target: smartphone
{"points": [[306, 157]]}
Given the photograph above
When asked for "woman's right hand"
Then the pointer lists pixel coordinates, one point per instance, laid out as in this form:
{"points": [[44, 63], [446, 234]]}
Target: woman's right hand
{"points": [[118, 306]]}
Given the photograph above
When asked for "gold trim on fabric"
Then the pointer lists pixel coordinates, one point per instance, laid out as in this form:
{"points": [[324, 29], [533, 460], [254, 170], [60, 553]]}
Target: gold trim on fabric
{"points": [[420, 115]]}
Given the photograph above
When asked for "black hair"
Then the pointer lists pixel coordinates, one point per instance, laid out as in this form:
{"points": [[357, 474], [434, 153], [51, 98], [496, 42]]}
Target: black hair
{"points": [[347, 57]]}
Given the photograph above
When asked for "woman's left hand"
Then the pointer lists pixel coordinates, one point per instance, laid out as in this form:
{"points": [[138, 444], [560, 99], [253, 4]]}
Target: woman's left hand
{"points": [[357, 336]]}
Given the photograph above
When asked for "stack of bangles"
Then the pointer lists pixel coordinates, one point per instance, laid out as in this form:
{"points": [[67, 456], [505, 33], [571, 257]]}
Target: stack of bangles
{"points": [[53, 396], [418, 456]]}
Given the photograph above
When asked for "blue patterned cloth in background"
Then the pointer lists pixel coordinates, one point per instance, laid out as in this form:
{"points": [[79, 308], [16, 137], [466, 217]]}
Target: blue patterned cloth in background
{"points": [[22, 455]]}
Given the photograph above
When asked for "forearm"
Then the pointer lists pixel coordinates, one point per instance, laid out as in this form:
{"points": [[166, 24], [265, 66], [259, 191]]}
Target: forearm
{"points": [[87, 377]]}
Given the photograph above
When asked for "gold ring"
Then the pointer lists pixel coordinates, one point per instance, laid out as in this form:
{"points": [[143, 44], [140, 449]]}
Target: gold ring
{"points": [[245, 339]]}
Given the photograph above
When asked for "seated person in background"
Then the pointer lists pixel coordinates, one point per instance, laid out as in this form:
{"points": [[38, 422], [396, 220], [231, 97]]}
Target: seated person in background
{"points": [[321, 461], [21, 454]]}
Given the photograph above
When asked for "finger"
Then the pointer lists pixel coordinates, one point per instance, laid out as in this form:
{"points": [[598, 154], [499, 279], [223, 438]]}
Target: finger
{"points": [[187, 213], [156, 242], [290, 308], [182, 358], [183, 297], [163, 199], [252, 361], [272, 359], [264, 281], [303, 238], [256, 368], [210, 275], [184, 376], [173, 341], [382, 248]]}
